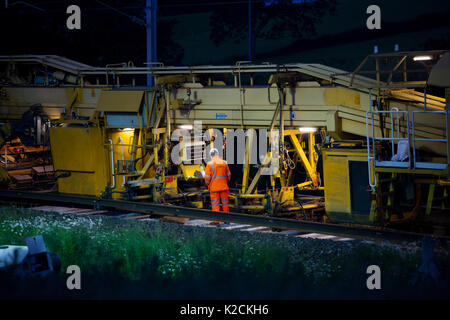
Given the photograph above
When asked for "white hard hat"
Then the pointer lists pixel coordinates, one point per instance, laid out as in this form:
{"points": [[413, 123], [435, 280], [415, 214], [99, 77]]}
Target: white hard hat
{"points": [[213, 151]]}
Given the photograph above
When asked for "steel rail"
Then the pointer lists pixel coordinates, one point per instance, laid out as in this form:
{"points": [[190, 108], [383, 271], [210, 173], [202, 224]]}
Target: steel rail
{"points": [[367, 233]]}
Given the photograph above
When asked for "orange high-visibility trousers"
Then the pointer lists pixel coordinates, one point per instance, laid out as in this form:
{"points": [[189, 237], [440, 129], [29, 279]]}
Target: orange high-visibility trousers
{"points": [[219, 197]]}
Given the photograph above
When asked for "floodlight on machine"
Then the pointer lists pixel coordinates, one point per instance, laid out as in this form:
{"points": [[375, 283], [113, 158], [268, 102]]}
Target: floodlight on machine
{"points": [[422, 58], [307, 129]]}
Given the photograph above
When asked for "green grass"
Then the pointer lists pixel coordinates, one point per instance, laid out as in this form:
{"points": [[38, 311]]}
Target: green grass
{"points": [[107, 245], [130, 259]]}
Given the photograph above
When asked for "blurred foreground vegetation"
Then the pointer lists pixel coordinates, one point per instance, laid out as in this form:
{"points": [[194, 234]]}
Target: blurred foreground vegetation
{"points": [[135, 260]]}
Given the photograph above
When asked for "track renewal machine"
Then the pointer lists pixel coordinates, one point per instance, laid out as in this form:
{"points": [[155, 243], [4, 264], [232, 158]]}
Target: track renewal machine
{"points": [[302, 140]]}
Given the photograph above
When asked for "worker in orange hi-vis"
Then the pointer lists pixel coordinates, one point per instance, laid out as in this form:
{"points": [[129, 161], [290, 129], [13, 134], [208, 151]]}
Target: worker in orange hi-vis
{"points": [[216, 176]]}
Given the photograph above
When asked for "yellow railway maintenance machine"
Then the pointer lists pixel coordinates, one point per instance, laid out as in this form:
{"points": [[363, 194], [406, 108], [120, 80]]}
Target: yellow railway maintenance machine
{"points": [[401, 172], [342, 134]]}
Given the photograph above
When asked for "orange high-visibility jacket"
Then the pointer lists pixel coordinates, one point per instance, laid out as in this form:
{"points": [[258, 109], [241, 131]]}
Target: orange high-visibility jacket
{"points": [[217, 174]]}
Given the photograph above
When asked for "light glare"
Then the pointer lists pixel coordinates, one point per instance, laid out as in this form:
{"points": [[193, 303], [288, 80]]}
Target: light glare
{"points": [[422, 58], [307, 129]]}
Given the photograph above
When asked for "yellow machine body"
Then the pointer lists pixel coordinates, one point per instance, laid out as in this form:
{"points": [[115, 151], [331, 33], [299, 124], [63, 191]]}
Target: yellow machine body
{"points": [[120, 152], [170, 185], [286, 194], [79, 157], [190, 170], [344, 199], [101, 129], [82, 157]]}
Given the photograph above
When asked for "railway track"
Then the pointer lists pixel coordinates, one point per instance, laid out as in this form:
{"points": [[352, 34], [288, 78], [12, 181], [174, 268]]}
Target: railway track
{"points": [[188, 222], [144, 210]]}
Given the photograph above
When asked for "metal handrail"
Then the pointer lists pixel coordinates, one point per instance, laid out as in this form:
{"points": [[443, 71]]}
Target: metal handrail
{"points": [[414, 139], [392, 138], [369, 158]]}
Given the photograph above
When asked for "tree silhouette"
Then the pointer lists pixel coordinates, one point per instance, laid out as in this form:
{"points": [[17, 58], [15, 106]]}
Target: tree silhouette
{"points": [[270, 19], [169, 52]]}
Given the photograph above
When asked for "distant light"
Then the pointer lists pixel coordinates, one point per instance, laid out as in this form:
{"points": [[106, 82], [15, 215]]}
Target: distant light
{"points": [[186, 126], [396, 48], [375, 49], [422, 58], [307, 129], [127, 129]]}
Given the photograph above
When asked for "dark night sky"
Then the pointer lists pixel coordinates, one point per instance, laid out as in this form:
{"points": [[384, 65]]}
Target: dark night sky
{"points": [[186, 34]]}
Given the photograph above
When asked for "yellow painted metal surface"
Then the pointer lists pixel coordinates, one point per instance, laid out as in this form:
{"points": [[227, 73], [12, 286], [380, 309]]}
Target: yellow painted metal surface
{"points": [[4, 177], [189, 170], [337, 180], [117, 136], [335, 108], [339, 96], [197, 204], [286, 193], [337, 193], [120, 101], [310, 168], [311, 152], [178, 103], [252, 196], [433, 102], [85, 153], [53, 100], [172, 79], [304, 184], [81, 153], [341, 111], [170, 185], [246, 167]]}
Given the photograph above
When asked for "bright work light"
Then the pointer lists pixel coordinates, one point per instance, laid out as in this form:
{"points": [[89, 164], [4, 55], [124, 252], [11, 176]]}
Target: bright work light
{"points": [[307, 129], [422, 58]]}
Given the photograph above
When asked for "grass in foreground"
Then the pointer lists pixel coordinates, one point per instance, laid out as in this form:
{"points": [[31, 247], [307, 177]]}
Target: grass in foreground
{"points": [[128, 259]]}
